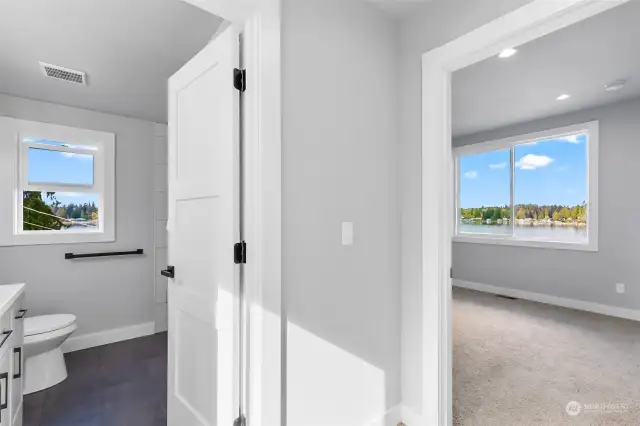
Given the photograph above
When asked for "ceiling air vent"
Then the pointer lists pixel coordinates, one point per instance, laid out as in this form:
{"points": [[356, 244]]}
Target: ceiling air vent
{"points": [[62, 73]]}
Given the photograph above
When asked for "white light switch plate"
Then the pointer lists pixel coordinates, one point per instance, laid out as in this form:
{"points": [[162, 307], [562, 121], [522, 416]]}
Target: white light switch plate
{"points": [[347, 233], [621, 288]]}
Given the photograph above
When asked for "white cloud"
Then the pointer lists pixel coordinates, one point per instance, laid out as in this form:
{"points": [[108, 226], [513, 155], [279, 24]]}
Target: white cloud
{"points": [[78, 156], [533, 162], [472, 174], [498, 166], [572, 139]]}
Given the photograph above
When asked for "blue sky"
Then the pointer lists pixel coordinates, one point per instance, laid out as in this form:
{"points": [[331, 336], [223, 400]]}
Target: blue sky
{"points": [[54, 166], [552, 171]]}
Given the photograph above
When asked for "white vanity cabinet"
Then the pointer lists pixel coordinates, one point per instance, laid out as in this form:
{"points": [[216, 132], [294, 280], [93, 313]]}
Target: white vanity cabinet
{"points": [[12, 313]]}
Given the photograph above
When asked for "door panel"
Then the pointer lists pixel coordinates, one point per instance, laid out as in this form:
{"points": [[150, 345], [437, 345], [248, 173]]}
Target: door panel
{"points": [[203, 227]]}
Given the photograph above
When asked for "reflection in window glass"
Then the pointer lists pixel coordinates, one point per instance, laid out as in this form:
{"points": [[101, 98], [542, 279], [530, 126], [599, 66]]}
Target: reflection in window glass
{"points": [[485, 193], [550, 189], [59, 167], [60, 144], [51, 211]]}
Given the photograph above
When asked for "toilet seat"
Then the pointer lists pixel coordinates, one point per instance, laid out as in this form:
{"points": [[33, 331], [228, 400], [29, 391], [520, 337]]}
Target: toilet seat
{"points": [[47, 323]]}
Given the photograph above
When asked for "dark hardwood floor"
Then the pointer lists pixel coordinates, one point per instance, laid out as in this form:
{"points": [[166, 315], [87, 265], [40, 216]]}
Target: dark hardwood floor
{"points": [[123, 384]]}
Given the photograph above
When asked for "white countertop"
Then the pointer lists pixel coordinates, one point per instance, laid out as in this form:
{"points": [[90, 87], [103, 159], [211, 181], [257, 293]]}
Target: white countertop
{"points": [[8, 294]]}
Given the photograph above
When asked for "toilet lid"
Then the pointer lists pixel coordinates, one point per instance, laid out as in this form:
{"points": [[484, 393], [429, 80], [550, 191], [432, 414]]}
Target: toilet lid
{"points": [[46, 323]]}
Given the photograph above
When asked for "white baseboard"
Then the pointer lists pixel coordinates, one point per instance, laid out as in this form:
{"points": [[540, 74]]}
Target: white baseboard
{"points": [[87, 341], [612, 311]]}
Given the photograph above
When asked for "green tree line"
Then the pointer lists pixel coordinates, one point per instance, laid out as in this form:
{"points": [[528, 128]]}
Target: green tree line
{"points": [[577, 213], [39, 213], [75, 211], [494, 213]]}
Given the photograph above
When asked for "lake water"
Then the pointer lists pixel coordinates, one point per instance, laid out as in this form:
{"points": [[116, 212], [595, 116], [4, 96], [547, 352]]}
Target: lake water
{"points": [[569, 234]]}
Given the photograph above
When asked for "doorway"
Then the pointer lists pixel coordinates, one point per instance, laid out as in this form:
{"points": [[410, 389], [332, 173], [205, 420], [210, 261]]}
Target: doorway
{"points": [[525, 24]]}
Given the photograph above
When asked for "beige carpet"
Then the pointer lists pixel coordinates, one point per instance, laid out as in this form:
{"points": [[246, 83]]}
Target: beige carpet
{"points": [[520, 363]]}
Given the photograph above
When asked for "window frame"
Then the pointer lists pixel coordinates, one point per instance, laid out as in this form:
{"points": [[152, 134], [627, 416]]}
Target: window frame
{"points": [[591, 128], [15, 150]]}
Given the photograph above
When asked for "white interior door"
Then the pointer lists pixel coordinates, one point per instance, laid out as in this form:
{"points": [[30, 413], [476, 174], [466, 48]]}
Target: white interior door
{"points": [[203, 385]]}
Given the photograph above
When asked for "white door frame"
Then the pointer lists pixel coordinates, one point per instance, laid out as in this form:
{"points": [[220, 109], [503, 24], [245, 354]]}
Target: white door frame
{"points": [[532, 21], [259, 23]]}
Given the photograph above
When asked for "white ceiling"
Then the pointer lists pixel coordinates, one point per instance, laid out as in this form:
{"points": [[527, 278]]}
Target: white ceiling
{"points": [[402, 8], [579, 60], [128, 48]]}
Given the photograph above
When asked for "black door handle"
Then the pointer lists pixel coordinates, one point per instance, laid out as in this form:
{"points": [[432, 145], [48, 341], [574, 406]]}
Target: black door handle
{"points": [[19, 352], [170, 272], [21, 314], [5, 402]]}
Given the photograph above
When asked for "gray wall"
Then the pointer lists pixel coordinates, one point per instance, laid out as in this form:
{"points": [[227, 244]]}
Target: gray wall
{"points": [[443, 21], [576, 275], [104, 293], [340, 164]]}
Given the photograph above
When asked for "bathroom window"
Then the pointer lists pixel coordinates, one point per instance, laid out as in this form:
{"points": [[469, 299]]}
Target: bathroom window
{"points": [[63, 189]]}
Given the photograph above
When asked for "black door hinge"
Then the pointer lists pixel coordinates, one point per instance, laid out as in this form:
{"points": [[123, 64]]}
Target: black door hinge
{"points": [[240, 253], [240, 79]]}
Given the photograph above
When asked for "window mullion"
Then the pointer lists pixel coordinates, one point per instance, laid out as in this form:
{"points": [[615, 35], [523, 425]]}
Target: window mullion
{"points": [[512, 174]]}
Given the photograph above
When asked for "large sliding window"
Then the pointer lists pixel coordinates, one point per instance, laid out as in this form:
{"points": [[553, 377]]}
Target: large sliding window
{"points": [[536, 190]]}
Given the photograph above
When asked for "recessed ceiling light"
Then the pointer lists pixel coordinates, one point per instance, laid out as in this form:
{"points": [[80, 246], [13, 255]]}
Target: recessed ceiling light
{"points": [[507, 53], [615, 85], [563, 97]]}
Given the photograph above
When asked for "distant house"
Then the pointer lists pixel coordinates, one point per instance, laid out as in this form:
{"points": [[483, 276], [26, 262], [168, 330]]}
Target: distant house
{"points": [[488, 221]]}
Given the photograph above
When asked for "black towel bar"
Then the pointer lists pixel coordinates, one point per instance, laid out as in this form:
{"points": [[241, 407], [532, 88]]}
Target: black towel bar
{"points": [[112, 253]]}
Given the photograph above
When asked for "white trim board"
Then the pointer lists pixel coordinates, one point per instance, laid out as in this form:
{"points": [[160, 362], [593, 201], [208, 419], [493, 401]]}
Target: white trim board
{"points": [[106, 337], [580, 305]]}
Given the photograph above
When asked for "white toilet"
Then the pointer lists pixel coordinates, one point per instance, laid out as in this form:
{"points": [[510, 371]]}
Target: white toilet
{"points": [[44, 362]]}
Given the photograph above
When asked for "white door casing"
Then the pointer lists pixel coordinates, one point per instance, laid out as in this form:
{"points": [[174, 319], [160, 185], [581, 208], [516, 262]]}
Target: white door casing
{"points": [[203, 227]]}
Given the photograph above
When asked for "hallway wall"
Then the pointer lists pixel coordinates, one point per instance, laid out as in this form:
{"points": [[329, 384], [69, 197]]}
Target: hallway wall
{"points": [[340, 153]]}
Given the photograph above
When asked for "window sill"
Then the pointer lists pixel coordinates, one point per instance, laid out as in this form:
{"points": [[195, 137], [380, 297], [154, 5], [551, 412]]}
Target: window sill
{"points": [[553, 245], [51, 239]]}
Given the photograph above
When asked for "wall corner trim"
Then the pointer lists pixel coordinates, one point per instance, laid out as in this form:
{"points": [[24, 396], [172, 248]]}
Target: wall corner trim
{"points": [[106, 337], [580, 305]]}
